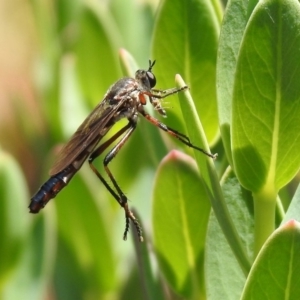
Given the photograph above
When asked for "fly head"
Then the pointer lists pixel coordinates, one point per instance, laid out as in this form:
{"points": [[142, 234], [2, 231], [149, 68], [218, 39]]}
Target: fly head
{"points": [[146, 78]]}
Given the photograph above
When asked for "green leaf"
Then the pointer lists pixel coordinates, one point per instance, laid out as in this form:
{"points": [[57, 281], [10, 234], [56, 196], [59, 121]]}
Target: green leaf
{"points": [[72, 107], [180, 215], [210, 178], [185, 42], [266, 107], [232, 30], [96, 62], [81, 222], [14, 215], [152, 289], [69, 279], [30, 280], [67, 11], [128, 64], [47, 62], [135, 26], [293, 211], [220, 258], [266, 99], [275, 273]]}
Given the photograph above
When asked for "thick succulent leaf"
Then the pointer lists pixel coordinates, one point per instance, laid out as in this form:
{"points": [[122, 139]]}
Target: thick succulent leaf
{"points": [[293, 211], [96, 62], [34, 273], [13, 214], [185, 42], [275, 272], [220, 259], [210, 177], [180, 215], [266, 100], [232, 30], [81, 225]]}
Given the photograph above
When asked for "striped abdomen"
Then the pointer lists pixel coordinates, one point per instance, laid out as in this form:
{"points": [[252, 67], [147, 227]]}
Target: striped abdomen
{"points": [[50, 189]]}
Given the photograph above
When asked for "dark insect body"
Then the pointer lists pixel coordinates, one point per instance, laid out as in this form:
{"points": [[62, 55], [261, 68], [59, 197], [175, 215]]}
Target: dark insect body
{"points": [[125, 99]]}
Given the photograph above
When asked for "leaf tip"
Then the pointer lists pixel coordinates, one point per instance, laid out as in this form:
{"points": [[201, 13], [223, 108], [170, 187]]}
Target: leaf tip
{"points": [[291, 224], [175, 155]]}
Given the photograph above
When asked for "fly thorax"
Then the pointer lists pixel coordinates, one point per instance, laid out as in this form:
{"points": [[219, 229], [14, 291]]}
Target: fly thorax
{"points": [[125, 112]]}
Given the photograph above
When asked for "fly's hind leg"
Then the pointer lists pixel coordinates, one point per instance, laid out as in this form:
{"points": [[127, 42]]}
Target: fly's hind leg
{"points": [[118, 194]]}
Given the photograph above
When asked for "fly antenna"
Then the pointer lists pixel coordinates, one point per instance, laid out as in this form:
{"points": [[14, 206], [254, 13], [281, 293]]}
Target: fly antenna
{"points": [[151, 64]]}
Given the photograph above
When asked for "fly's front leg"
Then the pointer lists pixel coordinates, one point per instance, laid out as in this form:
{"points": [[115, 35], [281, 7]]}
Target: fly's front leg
{"points": [[119, 196], [165, 93], [156, 95], [183, 138]]}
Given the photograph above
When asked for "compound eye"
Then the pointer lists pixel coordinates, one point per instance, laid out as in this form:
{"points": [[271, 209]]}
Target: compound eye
{"points": [[152, 79]]}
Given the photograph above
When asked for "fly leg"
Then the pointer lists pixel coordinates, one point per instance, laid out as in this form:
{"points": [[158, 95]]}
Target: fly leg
{"points": [[119, 196], [156, 95], [183, 138], [165, 93]]}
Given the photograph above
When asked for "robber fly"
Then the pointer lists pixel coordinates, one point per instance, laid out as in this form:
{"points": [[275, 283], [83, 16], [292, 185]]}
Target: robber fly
{"points": [[125, 99]]}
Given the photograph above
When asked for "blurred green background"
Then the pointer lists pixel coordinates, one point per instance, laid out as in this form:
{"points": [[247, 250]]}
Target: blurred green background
{"points": [[57, 59]]}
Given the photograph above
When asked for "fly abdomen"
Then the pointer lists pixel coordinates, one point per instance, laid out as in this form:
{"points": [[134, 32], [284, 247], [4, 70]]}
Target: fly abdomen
{"points": [[50, 189]]}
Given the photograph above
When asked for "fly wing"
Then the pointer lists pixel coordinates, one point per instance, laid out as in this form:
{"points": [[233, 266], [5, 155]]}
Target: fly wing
{"points": [[85, 137], [94, 127], [90, 132]]}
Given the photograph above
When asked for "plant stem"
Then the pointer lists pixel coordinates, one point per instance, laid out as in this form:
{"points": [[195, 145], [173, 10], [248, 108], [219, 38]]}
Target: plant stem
{"points": [[264, 212]]}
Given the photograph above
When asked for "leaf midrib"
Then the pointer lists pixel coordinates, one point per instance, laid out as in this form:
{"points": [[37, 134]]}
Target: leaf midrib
{"points": [[274, 149]]}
